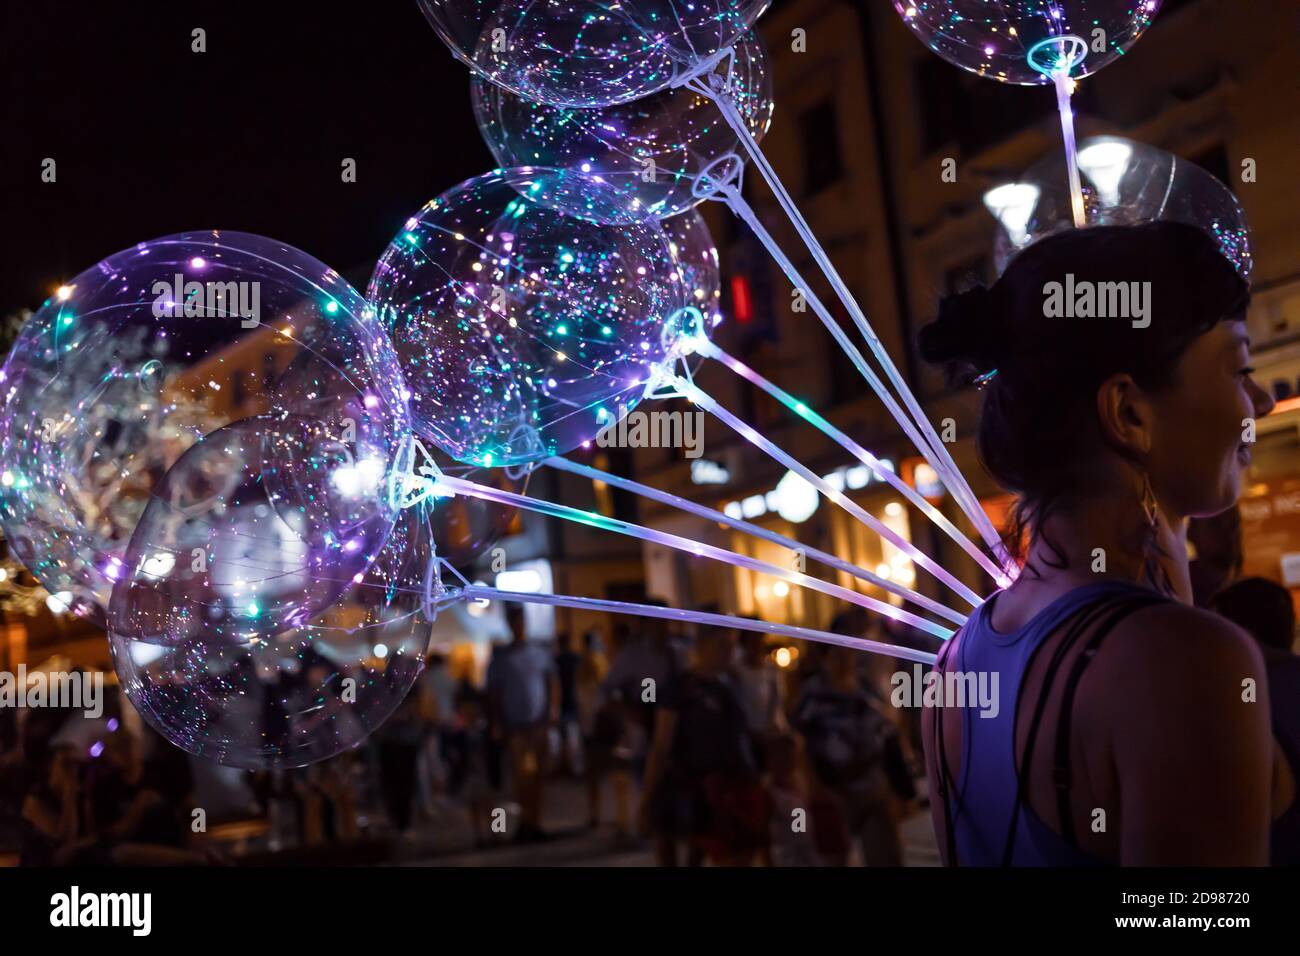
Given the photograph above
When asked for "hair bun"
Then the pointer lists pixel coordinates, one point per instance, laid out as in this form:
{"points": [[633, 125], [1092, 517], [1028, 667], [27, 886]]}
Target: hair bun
{"points": [[970, 330]]}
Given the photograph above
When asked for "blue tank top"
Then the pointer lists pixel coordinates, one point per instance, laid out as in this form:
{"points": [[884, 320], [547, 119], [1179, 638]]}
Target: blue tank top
{"points": [[985, 794]]}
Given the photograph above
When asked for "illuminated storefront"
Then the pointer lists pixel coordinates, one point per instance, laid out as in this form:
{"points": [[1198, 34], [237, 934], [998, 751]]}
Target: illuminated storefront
{"points": [[1270, 501]]}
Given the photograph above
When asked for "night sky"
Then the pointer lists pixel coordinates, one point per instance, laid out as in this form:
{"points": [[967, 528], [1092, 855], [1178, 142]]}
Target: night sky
{"points": [[151, 138]]}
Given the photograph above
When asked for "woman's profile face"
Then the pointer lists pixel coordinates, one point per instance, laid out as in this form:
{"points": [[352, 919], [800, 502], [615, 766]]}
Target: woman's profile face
{"points": [[1199, 447]]}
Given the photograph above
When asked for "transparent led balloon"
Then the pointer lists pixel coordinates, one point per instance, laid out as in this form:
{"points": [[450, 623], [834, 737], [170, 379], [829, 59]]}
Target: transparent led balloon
{"points": [[303, 694], [522, 331], [1125, 183], [135, 360], [651, 150], [589, 53], [1025, 41]]}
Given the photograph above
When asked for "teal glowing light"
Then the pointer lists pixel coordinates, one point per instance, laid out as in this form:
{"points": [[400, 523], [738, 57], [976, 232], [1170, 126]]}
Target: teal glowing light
{"points": [[331, 307]]}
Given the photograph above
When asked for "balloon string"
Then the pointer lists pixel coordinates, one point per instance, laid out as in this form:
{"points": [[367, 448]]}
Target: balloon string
{"points": [[934, 450], [882, 473], [743, 210], [564, 512], [1064, 90], [709, 514], [475, 592], [748, 432]]}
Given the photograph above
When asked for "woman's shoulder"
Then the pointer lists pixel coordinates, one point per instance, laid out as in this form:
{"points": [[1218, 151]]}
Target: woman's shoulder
{"points": [[1160, 628], [1172, 655]]}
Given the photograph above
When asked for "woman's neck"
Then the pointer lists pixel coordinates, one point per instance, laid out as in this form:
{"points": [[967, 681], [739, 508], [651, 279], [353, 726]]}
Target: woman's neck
{"points": [[1092, 539]]}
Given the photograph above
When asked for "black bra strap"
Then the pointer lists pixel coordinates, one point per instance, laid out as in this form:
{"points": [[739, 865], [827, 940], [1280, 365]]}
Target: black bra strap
{"points": [[1061, 778], [1083, 618], [1120, 607]]}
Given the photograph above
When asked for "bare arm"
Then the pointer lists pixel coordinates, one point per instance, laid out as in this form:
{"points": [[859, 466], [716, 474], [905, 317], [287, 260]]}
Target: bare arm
{"points": [[1192, 754]]}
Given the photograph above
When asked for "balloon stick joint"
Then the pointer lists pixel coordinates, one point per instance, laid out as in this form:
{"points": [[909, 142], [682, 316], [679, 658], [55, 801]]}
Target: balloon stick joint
{"points": [[415, 476]]}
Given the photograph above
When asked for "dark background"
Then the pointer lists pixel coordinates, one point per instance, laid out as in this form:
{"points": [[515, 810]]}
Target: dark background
{"points": [[151, 138]]}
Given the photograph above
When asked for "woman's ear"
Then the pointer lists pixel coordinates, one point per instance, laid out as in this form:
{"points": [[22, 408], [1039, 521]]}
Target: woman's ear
{"points": [[1125, 415]]}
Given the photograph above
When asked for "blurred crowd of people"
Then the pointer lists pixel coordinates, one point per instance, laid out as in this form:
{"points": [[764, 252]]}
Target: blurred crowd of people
{"points": [[701, 744], [697, 746], [80, 792]]}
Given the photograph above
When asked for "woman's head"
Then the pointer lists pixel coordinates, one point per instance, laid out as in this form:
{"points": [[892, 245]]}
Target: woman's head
{"points": [[1119, 351]]}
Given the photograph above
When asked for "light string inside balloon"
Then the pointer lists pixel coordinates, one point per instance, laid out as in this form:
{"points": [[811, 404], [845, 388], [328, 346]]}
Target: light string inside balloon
{"points": [[739, 524]]}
